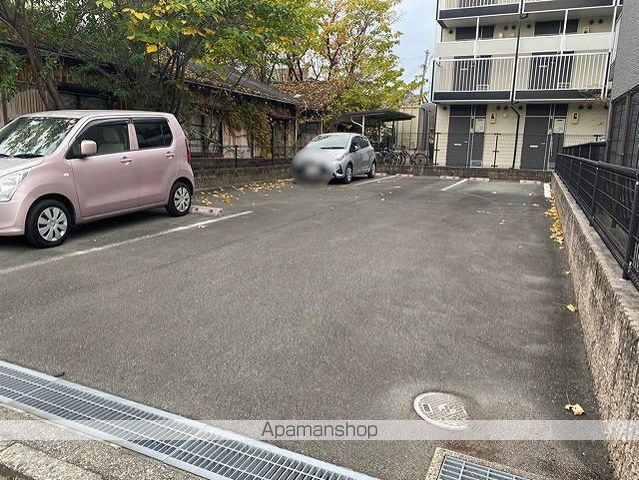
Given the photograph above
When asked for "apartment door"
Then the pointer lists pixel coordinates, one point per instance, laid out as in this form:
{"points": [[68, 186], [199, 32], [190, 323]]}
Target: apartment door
{"points": [[541, 139], [465, 146], [458, 141]]}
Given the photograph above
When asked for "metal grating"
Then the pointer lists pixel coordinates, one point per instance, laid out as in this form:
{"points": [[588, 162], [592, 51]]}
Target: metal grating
{"points": [[192, 446], [454, 468]]}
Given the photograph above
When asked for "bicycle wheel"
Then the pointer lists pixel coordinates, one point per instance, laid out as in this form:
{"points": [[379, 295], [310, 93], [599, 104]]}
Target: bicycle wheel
{"points": [[420, 159]]}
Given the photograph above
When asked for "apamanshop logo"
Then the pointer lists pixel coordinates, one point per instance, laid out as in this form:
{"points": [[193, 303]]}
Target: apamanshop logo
{"points": [[318, 431]]}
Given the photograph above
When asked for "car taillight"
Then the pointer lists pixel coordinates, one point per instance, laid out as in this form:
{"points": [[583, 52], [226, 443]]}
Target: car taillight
{"points": [[188, 151]]}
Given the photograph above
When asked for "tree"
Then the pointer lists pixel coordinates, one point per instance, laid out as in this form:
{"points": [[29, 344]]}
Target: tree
{"points": [[142, 51], [355, 43], [215, 35]]}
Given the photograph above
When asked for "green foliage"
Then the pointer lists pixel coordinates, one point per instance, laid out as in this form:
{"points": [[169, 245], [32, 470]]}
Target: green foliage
{"points": [[250, 116], [11, 67], [354, 45]]}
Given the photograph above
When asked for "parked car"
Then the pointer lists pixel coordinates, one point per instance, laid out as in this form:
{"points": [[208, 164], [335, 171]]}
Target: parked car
{"points": [[65, 168], [335, 155]]}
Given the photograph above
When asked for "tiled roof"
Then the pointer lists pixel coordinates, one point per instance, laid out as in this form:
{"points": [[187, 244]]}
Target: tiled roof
{"points": [[232, 80], [312, 95]]}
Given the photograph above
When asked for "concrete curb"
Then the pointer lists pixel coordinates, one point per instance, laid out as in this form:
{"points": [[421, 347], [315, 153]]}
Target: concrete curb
{"points": [[27, 462], [609, 313], [206, 211], [80, 457]]}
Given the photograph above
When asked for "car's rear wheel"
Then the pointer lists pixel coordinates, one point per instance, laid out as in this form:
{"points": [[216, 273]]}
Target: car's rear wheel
{"points": [[348, 174], [179, 200], [371, 172], [48, 223]]}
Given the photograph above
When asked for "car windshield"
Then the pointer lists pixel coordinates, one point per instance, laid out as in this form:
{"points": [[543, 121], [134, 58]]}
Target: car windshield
{"points": [[31, 137], [329, 142]]}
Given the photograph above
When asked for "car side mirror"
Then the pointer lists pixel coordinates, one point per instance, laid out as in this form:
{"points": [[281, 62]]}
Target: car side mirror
{"points": [[354, 148], [88, 148]]}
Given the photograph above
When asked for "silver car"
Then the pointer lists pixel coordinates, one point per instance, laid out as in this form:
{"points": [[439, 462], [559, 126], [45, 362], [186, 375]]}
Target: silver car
{"points": [[335, 155]]}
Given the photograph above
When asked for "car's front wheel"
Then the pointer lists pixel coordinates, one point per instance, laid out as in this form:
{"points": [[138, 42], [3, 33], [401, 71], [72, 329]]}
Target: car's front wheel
{"points": [[348, 174], [48, 223], [371, 172], [179, 200]]}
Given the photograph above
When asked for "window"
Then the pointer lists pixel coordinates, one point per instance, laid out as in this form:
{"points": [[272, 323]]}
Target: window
{"points": [[555, 27], [469, 33], [33, 136], [153, 134], [109, 137], [631, 156]]}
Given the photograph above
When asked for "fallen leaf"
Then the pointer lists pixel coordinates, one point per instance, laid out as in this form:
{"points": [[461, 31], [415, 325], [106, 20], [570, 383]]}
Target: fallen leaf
{"points": [[575, 409]]}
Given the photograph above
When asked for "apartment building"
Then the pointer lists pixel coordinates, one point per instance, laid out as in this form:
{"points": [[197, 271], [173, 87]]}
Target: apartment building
{"points": [[516, 80]]}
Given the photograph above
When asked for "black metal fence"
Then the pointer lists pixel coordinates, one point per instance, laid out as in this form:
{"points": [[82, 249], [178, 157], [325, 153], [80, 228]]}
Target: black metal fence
{"points": [[592, 151], [234, 156], [504, 150], [609, 196]]}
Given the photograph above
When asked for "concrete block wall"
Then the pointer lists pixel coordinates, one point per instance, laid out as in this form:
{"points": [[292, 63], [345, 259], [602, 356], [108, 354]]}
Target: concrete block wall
{"points": [[609, 312]]}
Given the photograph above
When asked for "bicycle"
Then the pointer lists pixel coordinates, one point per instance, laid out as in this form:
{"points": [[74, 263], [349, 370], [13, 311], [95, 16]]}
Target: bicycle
{"points": [[404, 157]]}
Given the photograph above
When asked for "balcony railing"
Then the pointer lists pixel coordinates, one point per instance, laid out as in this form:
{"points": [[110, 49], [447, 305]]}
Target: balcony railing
{"points": [[474, 75], [576, 75], [600, 42], [580, 71], [450, 4]]}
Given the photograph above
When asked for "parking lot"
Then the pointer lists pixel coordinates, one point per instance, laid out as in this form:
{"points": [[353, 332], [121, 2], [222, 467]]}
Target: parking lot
{"points": [[337, 302]]}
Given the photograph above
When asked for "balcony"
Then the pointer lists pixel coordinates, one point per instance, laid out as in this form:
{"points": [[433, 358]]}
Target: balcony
{"points": [[579, 76], [451, 9], [531, 6], [582, 42], [488, 79], [556, 77], [460, 9]]}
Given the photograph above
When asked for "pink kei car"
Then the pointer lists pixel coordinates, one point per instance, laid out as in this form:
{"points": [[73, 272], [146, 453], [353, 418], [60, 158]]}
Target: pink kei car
{"points": [[64, 168]]}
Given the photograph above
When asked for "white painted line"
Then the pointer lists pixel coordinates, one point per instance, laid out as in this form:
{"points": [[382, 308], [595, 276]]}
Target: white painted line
{"points": [[79, 253], [547, 192], [373, 180], [454, 185]]}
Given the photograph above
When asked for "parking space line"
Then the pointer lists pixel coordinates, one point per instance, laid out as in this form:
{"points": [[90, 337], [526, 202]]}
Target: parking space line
{"points": [[88, 251], [381, 179], [454, 185]]}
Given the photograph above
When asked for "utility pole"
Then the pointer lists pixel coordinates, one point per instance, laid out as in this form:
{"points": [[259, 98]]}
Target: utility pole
{"points": [[424, 72]]}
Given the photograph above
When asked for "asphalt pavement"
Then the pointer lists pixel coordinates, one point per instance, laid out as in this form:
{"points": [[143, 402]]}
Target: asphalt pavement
{"points": [[335, 302]]}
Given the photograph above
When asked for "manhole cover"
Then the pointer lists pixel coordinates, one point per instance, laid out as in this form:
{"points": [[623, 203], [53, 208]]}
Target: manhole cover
{"points": [[442, 409]]}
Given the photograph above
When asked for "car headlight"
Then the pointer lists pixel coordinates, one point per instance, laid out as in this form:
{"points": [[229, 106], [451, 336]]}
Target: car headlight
{"points": [[10, 183]]}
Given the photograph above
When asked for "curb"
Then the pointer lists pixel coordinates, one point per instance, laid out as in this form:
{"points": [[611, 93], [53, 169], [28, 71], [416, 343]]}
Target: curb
{"points": [[530, 182], [32, 464], [479, 179], [206, 211], [448, 177]]}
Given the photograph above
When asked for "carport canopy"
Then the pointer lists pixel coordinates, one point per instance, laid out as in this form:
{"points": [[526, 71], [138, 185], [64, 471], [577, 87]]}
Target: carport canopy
{"points": [[373, 118]]}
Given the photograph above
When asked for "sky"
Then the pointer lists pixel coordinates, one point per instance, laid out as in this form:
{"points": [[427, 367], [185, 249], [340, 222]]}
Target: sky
{"points": [[419, 28]]}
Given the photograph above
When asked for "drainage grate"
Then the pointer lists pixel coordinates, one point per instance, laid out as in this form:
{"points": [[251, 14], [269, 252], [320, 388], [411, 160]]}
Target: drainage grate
{"points": [[442, 409], [457, 469], [192, 446]]}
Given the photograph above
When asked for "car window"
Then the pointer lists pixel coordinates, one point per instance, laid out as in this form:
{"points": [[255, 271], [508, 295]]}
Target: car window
{"points": [[365, 142], [110, 137], [34, 136], [359, 141], [153, 134]]}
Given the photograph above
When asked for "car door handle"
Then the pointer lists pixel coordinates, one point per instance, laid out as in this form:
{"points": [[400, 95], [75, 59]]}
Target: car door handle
{"points": [[170, 154], [126, 160]]}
